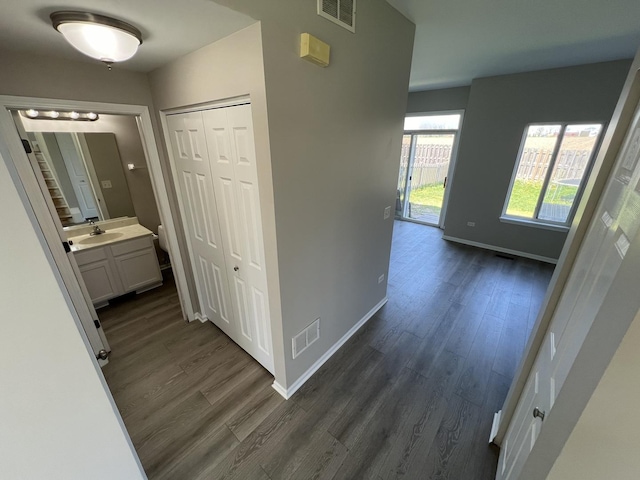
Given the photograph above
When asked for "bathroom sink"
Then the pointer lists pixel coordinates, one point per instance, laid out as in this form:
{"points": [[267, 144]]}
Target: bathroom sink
{"points": [[102, 238]]}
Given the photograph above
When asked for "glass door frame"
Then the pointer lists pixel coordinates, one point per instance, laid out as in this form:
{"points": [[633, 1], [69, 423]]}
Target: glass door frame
{"points": [[450, 170]]}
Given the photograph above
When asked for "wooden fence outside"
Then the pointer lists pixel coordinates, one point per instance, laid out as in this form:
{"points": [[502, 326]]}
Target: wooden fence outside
{"points": [[571, 164], [431, 164]]}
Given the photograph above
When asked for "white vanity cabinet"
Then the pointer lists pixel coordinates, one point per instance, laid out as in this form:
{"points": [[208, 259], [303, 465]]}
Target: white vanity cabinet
{"points": [[113, 269], [98, 275]]}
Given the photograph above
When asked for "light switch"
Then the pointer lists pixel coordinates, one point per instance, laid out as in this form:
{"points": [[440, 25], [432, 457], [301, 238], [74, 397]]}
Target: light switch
{"points": [[106, 184], [387, 212]]}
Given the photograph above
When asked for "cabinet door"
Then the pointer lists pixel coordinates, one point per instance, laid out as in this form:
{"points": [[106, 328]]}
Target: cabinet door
{"points": [[138, 269], [230, 142], [100, 281]]}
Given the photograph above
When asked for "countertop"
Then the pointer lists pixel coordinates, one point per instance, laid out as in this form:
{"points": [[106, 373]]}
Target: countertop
{"points": [[123, 233]]}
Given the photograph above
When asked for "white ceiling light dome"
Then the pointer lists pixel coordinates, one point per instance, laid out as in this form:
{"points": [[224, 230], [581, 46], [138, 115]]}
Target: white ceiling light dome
{"points": [[103, 38]]}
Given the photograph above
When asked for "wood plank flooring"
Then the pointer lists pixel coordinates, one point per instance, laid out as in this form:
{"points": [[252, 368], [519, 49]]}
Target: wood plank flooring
{"points": [[410, 396]]}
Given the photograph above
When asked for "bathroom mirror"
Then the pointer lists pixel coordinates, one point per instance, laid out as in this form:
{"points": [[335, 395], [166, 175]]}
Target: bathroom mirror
{"points": [[84, 174]]}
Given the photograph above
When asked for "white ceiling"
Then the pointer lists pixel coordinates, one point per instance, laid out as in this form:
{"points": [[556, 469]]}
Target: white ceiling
{"points": [[170, 28], [458, 40]]}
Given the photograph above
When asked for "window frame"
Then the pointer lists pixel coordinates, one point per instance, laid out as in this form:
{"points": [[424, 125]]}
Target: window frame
{"points": [[452, 165], [534, 221]]}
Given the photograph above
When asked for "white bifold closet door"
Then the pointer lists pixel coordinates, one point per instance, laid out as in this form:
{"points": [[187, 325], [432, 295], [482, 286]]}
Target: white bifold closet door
{"points": [[216, 178]]}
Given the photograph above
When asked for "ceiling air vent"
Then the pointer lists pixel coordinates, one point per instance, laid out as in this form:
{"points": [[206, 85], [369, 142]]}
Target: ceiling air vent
{"points": [[342, 12]]}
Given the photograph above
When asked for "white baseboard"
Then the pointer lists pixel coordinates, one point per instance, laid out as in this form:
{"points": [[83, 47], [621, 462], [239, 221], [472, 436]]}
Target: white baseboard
{"points": [[495, 425], [500, 249], [200, 317], [288, 392]]}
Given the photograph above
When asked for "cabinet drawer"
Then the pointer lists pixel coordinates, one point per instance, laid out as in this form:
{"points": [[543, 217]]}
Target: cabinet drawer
{"points": [[129, 246], [92, 255]]}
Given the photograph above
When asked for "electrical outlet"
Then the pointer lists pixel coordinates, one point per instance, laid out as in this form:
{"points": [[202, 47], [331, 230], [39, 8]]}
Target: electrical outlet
{"points": [[381, 278], [387, 212], [106, 184], [471, 224]]}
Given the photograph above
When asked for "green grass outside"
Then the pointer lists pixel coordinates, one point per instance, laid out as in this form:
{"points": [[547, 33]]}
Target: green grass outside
{"points": [[523, 199]]}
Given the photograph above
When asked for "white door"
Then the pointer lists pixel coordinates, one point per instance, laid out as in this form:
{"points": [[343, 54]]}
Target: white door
{"points": [[67, 265], [78, 175], [229, 133], [198, 209], [614, 225], [215, 173]]}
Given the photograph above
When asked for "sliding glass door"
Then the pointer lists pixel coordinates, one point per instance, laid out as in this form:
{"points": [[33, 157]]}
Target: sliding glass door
{"points": [[425, 167]]}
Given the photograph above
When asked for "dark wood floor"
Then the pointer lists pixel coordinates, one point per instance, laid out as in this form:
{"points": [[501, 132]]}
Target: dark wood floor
{"points": [[411, 395]]}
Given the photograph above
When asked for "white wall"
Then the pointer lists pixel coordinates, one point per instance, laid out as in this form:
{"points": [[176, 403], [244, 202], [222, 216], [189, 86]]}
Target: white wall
{"points": [[605, 442], [56, 418]]}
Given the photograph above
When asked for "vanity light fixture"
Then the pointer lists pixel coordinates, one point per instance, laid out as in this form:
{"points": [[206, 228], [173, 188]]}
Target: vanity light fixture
{"points": [[58, 115], [103, 38]]}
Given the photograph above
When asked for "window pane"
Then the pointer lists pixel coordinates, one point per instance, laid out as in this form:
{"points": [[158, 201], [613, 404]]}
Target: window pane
{"points": [[402, 174], [569, 170], [533, 164], [433, 122], [430, 167]]}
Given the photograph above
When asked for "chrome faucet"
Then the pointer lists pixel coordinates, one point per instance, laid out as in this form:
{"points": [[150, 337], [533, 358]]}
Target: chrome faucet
{"points": [[96, 229]]}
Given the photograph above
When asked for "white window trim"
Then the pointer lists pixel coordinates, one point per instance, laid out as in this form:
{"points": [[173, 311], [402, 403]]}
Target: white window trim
{"points": [[546, 224], [454, 156], [557, 227]]}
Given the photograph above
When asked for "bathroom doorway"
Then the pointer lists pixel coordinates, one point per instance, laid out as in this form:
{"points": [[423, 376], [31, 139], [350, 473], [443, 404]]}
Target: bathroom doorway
{"points": [[42, 179]]}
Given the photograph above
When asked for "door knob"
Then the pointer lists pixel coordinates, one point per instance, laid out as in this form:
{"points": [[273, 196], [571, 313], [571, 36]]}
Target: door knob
{"points": [[236, 268], [103, 354], [537, 413]]}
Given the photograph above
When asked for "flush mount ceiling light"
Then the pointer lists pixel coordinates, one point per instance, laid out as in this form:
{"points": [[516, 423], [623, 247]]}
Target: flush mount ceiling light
{"points": [[103, 38]]}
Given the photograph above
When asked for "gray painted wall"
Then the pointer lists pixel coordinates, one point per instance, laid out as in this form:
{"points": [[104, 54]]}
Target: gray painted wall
{"points": [[438, 100], [498, 110], [333, 140], [105, 157]]}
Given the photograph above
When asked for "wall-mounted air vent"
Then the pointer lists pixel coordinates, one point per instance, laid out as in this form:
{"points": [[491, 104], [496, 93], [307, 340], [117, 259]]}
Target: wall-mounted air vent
{"points": [[342, 12], [306, 337]]}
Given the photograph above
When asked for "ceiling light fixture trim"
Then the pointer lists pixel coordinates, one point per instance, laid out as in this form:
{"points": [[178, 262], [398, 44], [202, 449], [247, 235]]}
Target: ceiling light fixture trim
{"points": [[98, 36]]}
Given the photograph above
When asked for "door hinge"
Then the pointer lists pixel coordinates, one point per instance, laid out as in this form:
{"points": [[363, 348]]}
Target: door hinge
{"points": [[97, 323], [67, 247], [26, 145]]}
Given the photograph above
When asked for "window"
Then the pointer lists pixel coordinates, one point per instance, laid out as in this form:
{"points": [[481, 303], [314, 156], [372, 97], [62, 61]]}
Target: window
{"points": [[552, 168], [426, 163], [433, 122]]}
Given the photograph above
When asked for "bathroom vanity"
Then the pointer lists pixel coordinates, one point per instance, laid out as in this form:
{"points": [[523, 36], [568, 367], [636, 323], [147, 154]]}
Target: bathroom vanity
{"points": [[118, 261]]}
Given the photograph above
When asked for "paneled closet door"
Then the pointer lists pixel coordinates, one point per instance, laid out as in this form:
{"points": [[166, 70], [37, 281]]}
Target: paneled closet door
{"points": [[198, 205], [229, 134]]}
